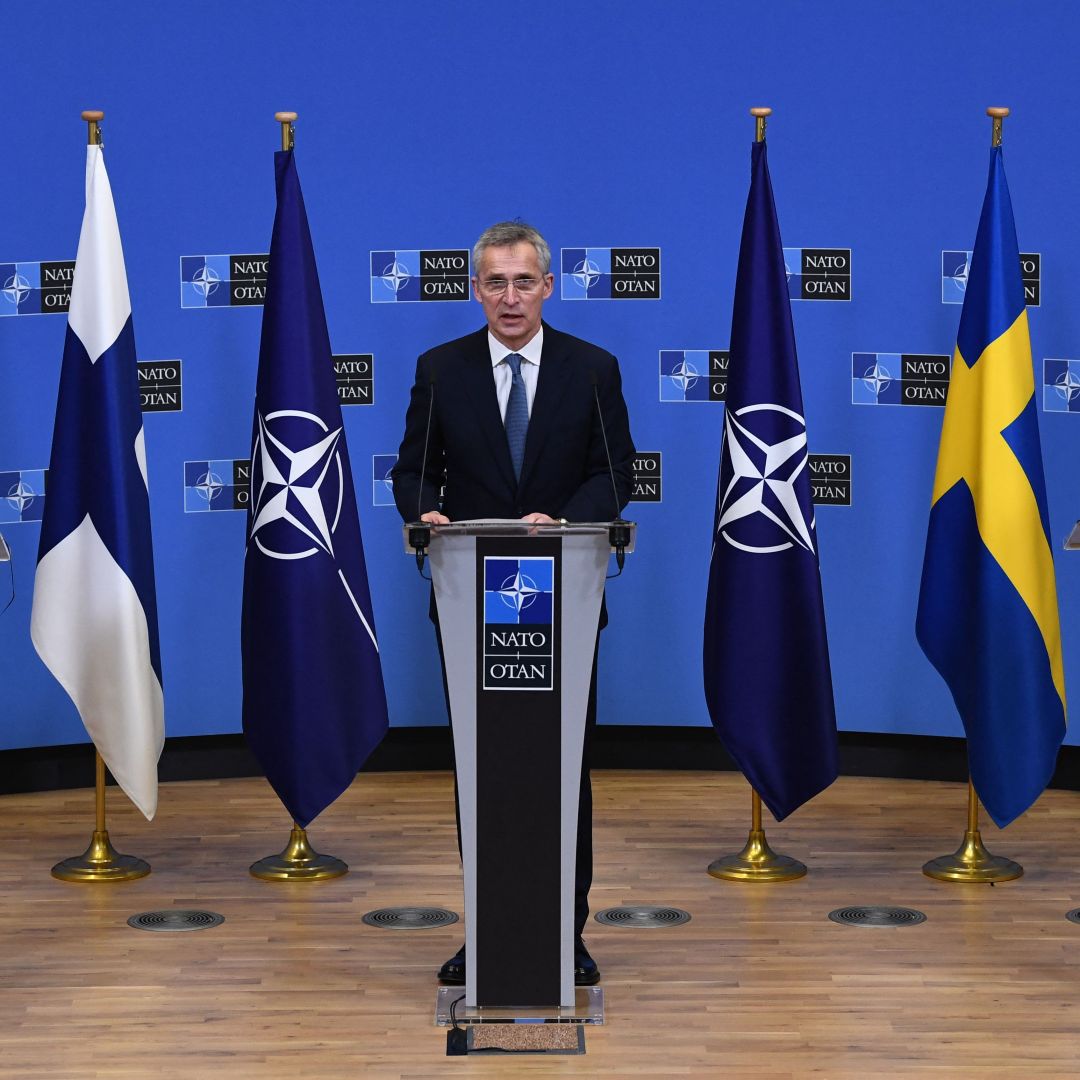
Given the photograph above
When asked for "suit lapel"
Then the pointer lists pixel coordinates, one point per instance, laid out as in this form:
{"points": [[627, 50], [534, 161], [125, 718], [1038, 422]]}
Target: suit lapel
{"points": [[479, 386], [550, 387]]}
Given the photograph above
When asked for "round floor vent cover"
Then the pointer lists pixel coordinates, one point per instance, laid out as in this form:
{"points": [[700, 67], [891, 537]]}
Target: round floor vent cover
{"points": [[410, 918], [175, 919], [645, 915], [877, 916]]}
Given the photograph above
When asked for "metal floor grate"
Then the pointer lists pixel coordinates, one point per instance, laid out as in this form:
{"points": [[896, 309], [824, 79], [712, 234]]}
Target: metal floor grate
{"points": [[410, 918], [877, 916], [643, 915], [175, 919]]}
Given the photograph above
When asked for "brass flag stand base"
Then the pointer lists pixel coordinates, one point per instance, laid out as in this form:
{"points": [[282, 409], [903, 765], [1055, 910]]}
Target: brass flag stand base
{"points": [[298, 862], [971, 861], [100, 861], [757, 861]]}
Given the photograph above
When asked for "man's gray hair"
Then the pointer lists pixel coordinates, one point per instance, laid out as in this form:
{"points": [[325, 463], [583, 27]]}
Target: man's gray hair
{"points": [[507, 234]]}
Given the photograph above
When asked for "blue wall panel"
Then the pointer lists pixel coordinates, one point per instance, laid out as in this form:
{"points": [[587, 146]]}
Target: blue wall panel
{"points": [[608, 124]]}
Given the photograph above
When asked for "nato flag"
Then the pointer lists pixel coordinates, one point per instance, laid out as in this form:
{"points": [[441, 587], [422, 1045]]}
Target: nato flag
{"points": [[314, 704], [766, 657]]}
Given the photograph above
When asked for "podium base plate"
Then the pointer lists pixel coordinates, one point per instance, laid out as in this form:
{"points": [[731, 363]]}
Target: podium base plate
{"points": [[588, 1008]]}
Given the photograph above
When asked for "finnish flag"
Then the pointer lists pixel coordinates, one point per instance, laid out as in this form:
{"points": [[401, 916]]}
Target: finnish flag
{"points": [[94, 619]]}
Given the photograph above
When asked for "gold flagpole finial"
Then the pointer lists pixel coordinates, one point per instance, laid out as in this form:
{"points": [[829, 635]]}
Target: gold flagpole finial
{"points": [[288, 137], [93, 118], [760, 114], [997, 113]]}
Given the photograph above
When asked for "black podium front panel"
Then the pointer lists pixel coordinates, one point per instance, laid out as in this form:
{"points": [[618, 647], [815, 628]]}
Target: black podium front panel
{"points": [[519, 765]]}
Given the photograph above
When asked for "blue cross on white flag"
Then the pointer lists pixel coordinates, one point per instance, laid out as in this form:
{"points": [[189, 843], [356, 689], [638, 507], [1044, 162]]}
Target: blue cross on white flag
{"points": [[94, 620]]}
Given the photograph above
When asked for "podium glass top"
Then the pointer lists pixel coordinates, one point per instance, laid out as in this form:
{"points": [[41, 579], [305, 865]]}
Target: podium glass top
{"points": [[512, 527]]}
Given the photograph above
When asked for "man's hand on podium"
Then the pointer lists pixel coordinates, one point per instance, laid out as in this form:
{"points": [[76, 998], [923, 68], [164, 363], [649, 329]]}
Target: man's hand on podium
{"points": [[433, 517]]}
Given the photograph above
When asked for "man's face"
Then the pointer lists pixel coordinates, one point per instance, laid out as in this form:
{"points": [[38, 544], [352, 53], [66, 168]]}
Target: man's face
{"points": [[512, 291]]}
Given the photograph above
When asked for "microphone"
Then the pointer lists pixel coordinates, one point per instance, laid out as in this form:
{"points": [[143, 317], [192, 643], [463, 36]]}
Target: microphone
{"points": [[619, 529], [420, 532]]}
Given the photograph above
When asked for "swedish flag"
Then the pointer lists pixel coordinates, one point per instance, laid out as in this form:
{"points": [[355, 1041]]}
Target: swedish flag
{"points": [[988, 615]]}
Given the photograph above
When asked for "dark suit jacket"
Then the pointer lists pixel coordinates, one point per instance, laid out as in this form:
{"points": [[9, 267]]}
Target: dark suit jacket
{"points": [[565, 470]]}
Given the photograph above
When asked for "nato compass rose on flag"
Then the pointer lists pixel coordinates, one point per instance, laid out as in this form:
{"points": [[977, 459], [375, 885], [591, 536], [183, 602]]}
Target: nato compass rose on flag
{"points": [[297, 490], [766, 505], [296, 485]]}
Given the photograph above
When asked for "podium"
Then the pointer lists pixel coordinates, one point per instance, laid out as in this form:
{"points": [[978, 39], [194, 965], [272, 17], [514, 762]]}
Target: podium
{"points": [[518, 610]]}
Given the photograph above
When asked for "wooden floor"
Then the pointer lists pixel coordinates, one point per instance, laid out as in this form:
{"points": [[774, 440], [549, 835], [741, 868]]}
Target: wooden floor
{"points": [[760, 984]]}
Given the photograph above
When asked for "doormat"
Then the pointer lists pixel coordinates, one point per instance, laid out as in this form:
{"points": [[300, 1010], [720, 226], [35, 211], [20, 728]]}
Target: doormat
{"points": [[517, 1038]]}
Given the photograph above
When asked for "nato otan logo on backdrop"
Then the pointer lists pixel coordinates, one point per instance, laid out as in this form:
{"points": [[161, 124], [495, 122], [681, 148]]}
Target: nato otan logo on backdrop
{"points": [[208, 281], [600, 273], [399, 277], [35, 288], [382, 484], [955, 266], [224, 484], [693, 374], [355, 375], [519, 605], [1061, 386], [899, 378], [818, 273], [830, 479], [22, 495], [161, 385], [648, 476]]}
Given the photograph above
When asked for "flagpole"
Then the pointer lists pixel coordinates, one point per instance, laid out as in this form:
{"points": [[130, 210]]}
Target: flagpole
{"points": [[288, 136], [100, 861], [299, 861], [757, 861], [971, 861]]}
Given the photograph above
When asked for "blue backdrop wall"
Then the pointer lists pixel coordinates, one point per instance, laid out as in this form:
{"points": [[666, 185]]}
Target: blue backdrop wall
{"points": [[608, 125]]}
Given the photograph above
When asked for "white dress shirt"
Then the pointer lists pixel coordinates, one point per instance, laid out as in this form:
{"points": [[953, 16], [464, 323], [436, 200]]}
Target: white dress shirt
{"points": [[504, 377]]}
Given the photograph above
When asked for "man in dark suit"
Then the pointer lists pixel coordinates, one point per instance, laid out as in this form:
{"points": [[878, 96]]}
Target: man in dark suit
{"points": [[515, 433]]}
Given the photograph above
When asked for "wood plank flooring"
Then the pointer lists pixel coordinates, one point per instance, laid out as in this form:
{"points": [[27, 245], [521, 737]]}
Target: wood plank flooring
{"points": [[759, 984]]}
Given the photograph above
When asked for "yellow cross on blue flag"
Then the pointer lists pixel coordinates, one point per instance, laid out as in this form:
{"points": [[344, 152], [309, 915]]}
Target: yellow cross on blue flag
{"points": [[988, 614]]}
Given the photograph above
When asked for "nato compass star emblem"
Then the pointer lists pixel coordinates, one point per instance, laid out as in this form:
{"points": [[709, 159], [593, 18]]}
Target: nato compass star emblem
{"points": [[765, 457], [518, 591], [205, 281], [960, 275], [297, 485], [396, 276], [1068, 385], [877, 378], [209, 486], [17, 289], [20, 496], [684, 375], [586, 274]]}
